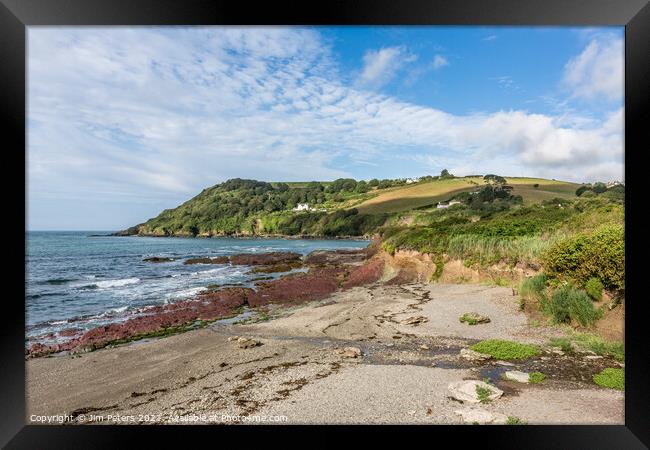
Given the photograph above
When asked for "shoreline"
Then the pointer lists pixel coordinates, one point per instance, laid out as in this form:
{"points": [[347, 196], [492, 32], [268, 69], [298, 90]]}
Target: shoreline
{"points": [[298, 367]]}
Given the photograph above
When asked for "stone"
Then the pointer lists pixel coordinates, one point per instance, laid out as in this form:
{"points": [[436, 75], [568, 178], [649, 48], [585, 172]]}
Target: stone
{"points": [[465, 391], [474, 318], [424, 347], [416, 320], [471, 355], [481, 416], [350, 352], [516, 375], [505, 363], [557, 352], [233, 338], [244, 342], [593, 357]]}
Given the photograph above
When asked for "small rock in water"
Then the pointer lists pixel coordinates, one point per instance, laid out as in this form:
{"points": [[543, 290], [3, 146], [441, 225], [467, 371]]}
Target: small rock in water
{"points": [[415, 320], [244, 342], [481, 416], [466, 391], [471, 355], [516, 375]]}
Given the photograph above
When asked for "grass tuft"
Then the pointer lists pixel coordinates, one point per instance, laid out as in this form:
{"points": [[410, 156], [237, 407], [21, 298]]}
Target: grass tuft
{"points": [[611, 378], [501, 349], [536, 377]]}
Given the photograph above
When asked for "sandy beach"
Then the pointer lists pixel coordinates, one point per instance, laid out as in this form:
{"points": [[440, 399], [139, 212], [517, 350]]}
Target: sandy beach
{"points": [[408, 337]]}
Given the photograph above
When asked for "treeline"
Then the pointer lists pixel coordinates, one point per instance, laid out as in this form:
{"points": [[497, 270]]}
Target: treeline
{"points": [[241, 206]]}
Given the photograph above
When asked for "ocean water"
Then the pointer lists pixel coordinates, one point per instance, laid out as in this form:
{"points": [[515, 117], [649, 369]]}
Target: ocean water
{"points": [[76, 280]]}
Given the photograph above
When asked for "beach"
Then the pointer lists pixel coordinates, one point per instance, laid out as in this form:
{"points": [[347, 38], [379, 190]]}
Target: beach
{"points": [[300, 367]]}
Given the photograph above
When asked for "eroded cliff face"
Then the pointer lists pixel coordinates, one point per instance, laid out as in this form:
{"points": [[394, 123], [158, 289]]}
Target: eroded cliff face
{"points": [[407, 266]]}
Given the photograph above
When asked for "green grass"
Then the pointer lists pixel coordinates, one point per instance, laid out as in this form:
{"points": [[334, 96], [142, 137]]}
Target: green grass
{"points": [[513, 420], [563, 343], [611, 378], [502, 349], [483, 394], [536, 377], [600, 346]]}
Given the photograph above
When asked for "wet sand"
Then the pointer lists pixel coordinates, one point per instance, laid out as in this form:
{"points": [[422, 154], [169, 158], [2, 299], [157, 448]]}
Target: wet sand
{"points": [[299, 375]]}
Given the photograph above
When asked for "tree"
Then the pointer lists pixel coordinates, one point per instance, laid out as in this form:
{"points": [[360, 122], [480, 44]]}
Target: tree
{"points": [[374, 182]]}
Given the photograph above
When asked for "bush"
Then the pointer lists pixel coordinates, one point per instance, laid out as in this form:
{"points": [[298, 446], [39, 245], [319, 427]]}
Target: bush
{"points": [[501, 349], [534, 287], [594, 288], [600, 254], [568, 303], [611, 378]]}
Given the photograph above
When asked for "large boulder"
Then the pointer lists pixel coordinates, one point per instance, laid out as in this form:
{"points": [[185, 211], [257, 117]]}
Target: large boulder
{"points": [[466, 391]]}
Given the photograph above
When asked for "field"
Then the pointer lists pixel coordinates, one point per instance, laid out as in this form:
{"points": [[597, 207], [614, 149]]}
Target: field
{"points": [[425, 194]]}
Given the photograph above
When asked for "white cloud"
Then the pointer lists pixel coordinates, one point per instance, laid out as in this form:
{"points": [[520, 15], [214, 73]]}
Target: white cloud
{"points": [[489, 38], [152, 116], [598, 70], [380, 66], [439, 61]]}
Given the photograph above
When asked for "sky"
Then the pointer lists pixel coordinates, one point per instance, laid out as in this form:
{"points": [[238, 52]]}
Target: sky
{"points": [[124, 122]]}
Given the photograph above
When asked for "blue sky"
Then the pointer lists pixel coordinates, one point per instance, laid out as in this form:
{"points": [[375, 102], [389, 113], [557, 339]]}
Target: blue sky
{"points": [[126, 121]]}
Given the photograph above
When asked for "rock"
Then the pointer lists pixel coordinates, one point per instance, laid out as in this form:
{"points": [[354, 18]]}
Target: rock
{"points": [[158, 259], [369, 272], [505, 363], [516, 375], [272, 258], [277, 268], [416, 320], [474, 318], [481, 416], [233, 338], [557, 352], [350, 352], [335, 257], [465, 391], [216, 260], [593, 357], [244, 342], [471, 355], [424, 347]]}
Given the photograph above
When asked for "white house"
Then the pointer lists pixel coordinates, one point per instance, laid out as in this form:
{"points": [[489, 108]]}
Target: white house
{"points": [[442, 205], [303, 207]]}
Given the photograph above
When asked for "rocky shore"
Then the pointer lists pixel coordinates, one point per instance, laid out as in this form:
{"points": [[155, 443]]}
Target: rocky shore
{"points": [[325, 273]]}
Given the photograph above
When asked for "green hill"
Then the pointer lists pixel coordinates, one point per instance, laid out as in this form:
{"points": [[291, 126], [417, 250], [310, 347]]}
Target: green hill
{"points": [[343, 207]]}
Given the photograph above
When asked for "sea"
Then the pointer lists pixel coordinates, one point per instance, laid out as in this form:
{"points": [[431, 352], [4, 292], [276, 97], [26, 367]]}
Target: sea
{"points": [[84, 279]]}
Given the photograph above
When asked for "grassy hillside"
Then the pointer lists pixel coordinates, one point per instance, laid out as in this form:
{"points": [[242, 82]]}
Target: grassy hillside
{"points": [[344, 207], [404, 198]]}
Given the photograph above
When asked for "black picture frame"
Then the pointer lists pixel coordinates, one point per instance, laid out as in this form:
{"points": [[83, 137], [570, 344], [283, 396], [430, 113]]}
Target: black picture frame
{"points": [[16, 15]]}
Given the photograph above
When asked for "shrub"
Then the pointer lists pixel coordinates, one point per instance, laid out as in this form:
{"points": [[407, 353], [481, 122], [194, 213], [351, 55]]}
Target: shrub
{"points": [[600, 254], [501, 349], [513, 420], [594, 288], [534, 287], [611, 378], [568, 303], [536, 377]]}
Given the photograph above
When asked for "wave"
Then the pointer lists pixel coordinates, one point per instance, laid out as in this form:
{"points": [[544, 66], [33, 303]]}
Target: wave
{"points": [[57, 281], [189, 292]]}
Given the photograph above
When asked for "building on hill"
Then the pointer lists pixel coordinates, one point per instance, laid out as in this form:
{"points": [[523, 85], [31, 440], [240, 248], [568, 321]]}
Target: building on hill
{"points": [[442, 205], [614, 183], [303, 207]]}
